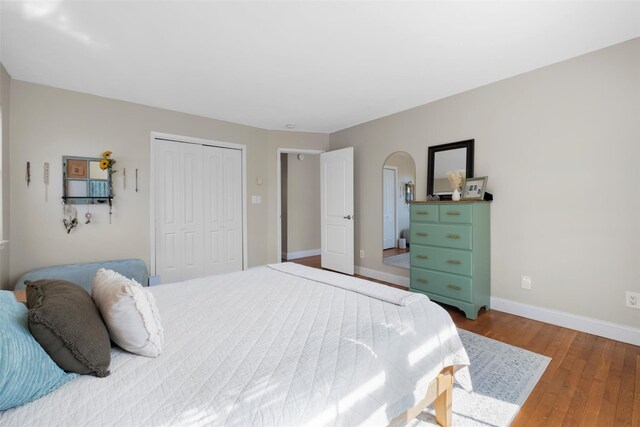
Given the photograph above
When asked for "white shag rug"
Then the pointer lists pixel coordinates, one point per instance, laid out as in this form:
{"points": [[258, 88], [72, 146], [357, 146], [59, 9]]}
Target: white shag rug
{"points": [[502, 376], [401, 260]]}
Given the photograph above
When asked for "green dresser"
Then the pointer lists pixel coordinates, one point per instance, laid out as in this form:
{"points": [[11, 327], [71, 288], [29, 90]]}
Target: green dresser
{"points": [[450, 253]]}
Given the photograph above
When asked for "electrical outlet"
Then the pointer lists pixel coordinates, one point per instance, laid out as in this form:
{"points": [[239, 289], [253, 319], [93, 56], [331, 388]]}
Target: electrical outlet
{"points": [[526, 282], [633, 300], [361, 253]]}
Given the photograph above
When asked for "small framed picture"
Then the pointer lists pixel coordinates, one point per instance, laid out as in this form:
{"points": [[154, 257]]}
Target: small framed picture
{"points": [[76, 168], [474, 188]]}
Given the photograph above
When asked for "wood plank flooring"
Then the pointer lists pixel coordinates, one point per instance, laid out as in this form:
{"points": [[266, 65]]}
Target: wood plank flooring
{"points": [[591, 381]]}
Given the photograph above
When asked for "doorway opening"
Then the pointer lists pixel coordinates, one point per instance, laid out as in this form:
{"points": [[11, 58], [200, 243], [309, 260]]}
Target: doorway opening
{"points": [[298, 203]]}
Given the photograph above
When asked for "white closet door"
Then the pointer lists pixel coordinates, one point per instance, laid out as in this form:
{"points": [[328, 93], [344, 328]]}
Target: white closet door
{"points": [[179, 211], [231, 226], [213, 202]]}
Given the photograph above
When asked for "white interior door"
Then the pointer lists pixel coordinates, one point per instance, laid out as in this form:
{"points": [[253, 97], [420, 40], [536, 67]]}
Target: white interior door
{"points": [[388, 208], [179, 215], [336, 203]]}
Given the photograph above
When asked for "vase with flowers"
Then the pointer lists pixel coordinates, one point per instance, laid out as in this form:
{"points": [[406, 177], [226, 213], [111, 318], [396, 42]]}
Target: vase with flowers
{"points": [[107, 163], [455, 179]]}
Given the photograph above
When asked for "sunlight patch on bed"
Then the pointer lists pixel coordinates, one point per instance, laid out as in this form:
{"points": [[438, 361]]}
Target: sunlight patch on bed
{"points": [[349, 400], [194, 416], [429, 346], [360, 343], [260, 393]]}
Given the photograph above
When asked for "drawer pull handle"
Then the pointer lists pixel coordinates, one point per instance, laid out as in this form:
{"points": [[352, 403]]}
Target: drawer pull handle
{"points": [[453, 261], [422, 213], [421, 234], [422, 257], [453, 236], [422, 281], [453, 213], [454, 287]]}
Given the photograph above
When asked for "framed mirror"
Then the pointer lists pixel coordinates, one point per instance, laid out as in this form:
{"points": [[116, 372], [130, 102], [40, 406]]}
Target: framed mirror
{"points": [[455, 156], [398, 179], [84, 181]]}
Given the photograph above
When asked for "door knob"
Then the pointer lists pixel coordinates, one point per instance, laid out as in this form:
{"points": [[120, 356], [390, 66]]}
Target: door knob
{"points": [[348, 217]]}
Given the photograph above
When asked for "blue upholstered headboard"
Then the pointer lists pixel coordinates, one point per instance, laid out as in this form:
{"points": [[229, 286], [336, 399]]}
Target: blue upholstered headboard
{"points": [[82, 274]]}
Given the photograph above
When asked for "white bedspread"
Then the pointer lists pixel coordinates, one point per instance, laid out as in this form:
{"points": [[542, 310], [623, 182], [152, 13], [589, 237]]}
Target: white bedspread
{"points": [[263, 347]]}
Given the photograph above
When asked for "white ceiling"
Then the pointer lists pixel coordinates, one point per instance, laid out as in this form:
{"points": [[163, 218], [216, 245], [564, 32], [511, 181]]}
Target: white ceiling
{"points": [[324, 66]]}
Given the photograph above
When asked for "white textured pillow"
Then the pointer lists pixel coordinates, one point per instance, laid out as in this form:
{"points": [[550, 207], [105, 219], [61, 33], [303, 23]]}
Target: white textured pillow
{"points": [[130, 313]]}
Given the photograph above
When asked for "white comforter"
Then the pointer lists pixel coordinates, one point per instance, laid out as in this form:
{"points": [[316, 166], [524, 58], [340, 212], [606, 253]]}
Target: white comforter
{"points": [[266, 347]]}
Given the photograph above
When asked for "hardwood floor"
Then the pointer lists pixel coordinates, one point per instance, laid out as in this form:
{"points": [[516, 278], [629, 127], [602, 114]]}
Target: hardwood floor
{"points": [[591, 381], [394, 251]]}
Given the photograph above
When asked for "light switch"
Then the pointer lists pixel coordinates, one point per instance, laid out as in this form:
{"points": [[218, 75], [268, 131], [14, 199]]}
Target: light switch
{"points": [[256, 200], [259, 180]]}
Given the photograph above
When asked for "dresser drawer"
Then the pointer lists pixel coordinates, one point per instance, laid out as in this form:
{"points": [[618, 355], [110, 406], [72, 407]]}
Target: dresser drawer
{"points": [[450, 260], [444, 284], [457, 214], [424, 213], [447, 236]]}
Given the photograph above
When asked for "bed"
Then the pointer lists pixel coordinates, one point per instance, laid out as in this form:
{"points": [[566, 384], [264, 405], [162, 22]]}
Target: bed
{"points": [[275, 345]]}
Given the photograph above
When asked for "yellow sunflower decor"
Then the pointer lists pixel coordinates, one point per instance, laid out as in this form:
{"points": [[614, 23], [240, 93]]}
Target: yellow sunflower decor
{"points": [[107, 162]]}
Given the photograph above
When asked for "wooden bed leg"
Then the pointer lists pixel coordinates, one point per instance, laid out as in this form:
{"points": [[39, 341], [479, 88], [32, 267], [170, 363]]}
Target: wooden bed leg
{"points": [[442, 405], [440, 393]]}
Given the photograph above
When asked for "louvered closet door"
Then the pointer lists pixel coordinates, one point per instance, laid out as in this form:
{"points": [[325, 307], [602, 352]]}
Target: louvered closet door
{"points": [[179, 211]]}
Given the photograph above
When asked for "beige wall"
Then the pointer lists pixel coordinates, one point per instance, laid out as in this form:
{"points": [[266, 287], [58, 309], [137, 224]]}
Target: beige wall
{"points": [[303, 203], [5, 120], [47, 123], [560, 146]]}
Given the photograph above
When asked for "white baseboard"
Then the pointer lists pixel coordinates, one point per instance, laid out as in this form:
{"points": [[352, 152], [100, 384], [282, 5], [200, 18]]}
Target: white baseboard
{"points": [[301, 254], [381, 275], [589, 325]]}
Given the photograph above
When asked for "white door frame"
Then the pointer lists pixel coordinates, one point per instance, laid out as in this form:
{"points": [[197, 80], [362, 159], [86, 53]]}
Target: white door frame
{"points": [[279, 192], [152, 175], [395, 205]]}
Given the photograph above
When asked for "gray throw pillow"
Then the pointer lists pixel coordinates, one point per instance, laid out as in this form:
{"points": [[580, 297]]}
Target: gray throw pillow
{"points": [[67, 324]]}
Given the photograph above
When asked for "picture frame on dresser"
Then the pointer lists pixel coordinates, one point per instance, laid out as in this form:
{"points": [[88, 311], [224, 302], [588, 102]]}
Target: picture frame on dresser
{"points": [[474, 188]]}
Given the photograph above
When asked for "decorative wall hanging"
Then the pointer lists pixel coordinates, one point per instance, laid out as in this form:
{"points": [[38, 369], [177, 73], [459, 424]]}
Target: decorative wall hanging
{"points": [[87, 180], [46, 181], [69, 217]]}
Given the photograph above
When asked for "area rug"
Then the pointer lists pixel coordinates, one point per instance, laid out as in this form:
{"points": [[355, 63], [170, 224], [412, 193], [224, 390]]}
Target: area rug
{"points": [[401, 260], [503, 377]]}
